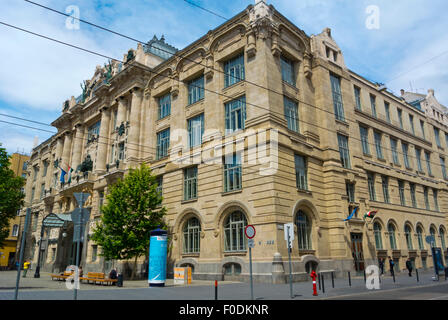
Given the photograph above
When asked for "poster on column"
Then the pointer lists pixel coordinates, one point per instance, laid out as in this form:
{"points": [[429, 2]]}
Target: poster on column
{"points": [[157, 258]]}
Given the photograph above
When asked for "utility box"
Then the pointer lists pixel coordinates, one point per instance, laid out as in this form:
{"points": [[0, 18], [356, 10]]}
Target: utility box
{"points": [[182, 275]]}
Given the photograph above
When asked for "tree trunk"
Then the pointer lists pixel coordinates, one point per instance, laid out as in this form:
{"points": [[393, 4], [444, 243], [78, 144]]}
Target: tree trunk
{"points": [[134, 269]]}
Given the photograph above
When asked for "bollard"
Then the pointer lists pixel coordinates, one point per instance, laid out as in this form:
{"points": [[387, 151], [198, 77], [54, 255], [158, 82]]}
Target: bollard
{"points": [[216, 289], [332, 279], [323, 283], [416, 272], [313, 276], [349, 279], [365, 280]]}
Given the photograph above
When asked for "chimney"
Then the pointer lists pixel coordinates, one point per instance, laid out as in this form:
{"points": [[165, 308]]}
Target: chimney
{"points": [[402, 92]]}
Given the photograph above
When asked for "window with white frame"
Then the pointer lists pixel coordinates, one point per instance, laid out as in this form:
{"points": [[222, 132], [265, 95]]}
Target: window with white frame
{"points": [[337, 97], [301, 172], [235, 115], [164, 106], [196, 90], [192, 236], [287, 67], [234, 70], [195, 130], [234, 238], [163, 143], [190, 183], [291, 114], [232, 173]]}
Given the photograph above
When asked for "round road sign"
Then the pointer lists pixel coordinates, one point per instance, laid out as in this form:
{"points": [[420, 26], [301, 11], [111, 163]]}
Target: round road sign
{"points": [[249, 231]]}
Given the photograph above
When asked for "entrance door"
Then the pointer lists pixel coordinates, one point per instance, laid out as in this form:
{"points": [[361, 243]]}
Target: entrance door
{"points": [[358, 257]]}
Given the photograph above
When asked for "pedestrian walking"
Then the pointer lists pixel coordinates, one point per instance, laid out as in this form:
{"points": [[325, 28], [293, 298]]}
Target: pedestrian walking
{"points": [[26, 266], [391, 266], [409, 266], [381, 265]]}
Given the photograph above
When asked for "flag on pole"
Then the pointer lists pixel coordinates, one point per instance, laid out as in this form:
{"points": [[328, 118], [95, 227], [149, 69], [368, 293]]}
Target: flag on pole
{"points": [[370, 214], [352, 214], [70, 170], [63, 173]]}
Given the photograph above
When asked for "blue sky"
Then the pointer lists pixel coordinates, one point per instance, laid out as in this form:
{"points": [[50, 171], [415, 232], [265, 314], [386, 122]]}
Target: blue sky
{"points": [[36, 75]]}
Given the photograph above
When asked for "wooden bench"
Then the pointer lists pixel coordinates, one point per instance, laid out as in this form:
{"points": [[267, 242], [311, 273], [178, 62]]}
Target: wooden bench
{"points": [[62, 276], [98, 277]]}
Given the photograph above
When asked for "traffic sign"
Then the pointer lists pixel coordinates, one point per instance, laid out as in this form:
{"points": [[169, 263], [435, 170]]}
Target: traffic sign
{"points": [[81, 197], [430, 239], [249, 231], [289, 233], [251, 243]]}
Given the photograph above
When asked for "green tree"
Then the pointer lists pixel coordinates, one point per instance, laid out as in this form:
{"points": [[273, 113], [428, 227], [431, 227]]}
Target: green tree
{"points": [[11, 196], [133, 208]]}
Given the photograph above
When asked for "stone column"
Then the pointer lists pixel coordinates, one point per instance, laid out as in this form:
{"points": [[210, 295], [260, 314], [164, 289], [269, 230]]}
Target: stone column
{"points": [[103, 140], [66, 150], [134, 119], [77, 147], [121, 113]]}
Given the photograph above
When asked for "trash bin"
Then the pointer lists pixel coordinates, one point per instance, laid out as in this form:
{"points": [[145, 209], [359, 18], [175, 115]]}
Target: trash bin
{"points": [[120, 280]]}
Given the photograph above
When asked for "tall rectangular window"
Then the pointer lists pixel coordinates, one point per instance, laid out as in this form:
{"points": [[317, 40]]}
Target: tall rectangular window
{"points": [[393, 147], [385, 184], [291, 114], [371, 186], [387, 110], [112, 153], [426, 195], [401, 192], [413, 196], [287, 71], [190, 183], [350, 188], [446, 139], [418, 156], [163, 143], [195, 130], [442, 165], [436, 202], [42, 191], [422, 126], [411, 123], [46, 163], [373, 105], [405, 148], [33, 190], [235, 115], [358, 98], [344, 151], [437, 136], [93, 131], [400, 117], [364, 140], [379, 150], [164, 106], [428, 162], [232, 173], [121, 151], [301, 172], [234, 70], [115, 119], [337, 97], [196, 90]]}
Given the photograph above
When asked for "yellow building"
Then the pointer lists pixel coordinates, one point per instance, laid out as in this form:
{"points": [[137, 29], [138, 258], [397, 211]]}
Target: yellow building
{"points": [[18, 163], [254, 123]]}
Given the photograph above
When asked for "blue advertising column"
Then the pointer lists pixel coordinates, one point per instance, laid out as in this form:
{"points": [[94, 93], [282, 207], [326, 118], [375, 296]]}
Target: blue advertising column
{"points": [[157, 258]]}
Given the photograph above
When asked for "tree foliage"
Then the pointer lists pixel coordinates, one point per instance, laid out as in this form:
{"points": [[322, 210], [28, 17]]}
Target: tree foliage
{"points": [[133, 208], [11, 196]]}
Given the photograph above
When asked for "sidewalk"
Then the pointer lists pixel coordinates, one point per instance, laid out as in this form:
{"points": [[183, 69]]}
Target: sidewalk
{"points": [[45, 289]]}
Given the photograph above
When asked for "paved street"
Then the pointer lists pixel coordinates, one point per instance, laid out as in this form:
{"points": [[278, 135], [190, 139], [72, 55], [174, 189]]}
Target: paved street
{"points": [[405, 287]]}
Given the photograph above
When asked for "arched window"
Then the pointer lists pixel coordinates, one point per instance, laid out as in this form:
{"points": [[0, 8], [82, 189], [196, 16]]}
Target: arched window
{"points": [[432, 231], [420, 238], [442, 238], [392, 239], [234, 238], [378, 237], [303, 231], [408, 235], [192, 236]]}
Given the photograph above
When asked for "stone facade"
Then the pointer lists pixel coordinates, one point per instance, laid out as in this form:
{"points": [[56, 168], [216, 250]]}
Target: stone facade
{"points": [[282, 67]]}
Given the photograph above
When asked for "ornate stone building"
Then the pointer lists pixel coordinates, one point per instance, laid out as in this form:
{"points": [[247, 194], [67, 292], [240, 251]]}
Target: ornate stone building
{"points": [[254, 123]]}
